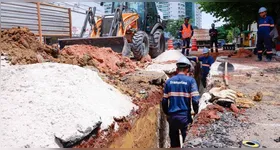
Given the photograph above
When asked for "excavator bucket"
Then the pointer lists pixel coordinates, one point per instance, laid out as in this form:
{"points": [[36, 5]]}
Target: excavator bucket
{"points": [[115, 43]]}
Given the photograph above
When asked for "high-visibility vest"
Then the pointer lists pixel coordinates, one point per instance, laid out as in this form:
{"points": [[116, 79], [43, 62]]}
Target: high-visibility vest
{"points": [[186, 32]]}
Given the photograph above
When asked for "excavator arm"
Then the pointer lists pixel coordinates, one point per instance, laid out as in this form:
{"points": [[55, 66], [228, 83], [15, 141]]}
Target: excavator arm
{"points": [[117, 21], [90, 14]]}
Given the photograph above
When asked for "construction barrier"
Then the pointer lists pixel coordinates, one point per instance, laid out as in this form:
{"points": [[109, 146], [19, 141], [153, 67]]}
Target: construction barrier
{"points": [[229, 47], [194, 45], [170, 45]]}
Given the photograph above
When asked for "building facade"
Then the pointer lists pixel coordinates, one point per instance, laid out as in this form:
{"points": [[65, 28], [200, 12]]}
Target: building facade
{"points": [[192, 10], [164, 7], [198, 16], [107, 7]]}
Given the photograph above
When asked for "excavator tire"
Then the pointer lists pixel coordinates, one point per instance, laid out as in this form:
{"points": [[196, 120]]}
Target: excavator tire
{"points": [[140, 45], [159, 44]]}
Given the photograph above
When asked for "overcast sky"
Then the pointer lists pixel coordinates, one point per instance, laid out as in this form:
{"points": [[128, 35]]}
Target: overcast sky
{"points": [[208, 19]]}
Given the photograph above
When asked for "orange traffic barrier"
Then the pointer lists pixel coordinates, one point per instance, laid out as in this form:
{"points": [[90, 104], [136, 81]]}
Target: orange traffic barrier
{"points": [[194, 46], [170, 45]]}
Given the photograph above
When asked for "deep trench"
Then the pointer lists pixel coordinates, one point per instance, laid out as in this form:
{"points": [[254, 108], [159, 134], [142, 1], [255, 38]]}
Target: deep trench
{"points": [[151, 138]]}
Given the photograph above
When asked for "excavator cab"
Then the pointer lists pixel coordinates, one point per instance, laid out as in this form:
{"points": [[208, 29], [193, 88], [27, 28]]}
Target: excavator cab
{"points": [[132, 28]]}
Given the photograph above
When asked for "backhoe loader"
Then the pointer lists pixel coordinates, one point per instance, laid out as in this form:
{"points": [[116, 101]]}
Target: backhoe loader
{"points": [[132, 27]]}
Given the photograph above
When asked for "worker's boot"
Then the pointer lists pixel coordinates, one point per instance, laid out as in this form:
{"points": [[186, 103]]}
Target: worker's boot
{"points": [[268, 60], [259, 59], [183, 51], [268, 57], [188, 52], [212, 50], [216, 50]]}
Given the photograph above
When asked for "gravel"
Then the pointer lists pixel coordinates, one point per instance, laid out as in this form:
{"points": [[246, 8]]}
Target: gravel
{"points": [[42, 101], [218, 133]]}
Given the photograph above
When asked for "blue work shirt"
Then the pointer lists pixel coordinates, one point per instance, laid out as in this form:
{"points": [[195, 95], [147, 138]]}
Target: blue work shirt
{"points": [[265, 25], [206, 63], [179, 91]]}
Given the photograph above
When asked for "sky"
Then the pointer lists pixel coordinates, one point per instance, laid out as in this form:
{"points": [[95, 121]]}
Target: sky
{"points": [[208, 19]]}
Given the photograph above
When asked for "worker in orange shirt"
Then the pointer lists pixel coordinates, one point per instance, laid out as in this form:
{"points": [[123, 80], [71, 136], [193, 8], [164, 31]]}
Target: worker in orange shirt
{"points": [[186, 35]]}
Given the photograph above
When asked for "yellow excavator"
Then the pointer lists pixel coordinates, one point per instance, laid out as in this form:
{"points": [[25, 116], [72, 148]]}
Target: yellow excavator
{"points": [[133, 29]]}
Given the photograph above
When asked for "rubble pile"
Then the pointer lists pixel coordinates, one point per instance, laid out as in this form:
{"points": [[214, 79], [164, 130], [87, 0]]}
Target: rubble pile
{"points": [[104, 59], [217, 134], [23, 47], [218, 113], [148, 91]]}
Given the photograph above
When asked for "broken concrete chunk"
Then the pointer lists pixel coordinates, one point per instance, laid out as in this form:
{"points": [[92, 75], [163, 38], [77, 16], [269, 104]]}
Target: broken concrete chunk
{"points": [[204, 101], [68, 139]]}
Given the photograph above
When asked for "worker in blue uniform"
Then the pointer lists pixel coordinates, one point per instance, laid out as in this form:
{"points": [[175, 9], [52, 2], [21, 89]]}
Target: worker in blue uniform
{"points": [[207, 61], [179, 91], [265, 26]]}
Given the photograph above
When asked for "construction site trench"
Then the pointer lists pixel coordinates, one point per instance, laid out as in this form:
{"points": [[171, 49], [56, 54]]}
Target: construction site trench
{"points": [[114, 102]]}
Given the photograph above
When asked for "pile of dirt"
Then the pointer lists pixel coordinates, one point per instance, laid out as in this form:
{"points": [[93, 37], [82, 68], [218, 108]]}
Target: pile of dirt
{"points": [[150, 85], [241, 53], [104, 59], [23, 47]]}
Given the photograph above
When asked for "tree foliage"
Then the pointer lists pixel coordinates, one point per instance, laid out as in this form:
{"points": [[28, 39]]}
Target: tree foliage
{"points": [[173, 26], [228, 33], [239, 14]]}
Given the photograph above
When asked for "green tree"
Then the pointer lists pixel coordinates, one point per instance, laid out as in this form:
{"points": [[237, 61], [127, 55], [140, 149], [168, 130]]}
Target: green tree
{"points": [[222, 32], [240, 14], [173, 26], [230, 36]]}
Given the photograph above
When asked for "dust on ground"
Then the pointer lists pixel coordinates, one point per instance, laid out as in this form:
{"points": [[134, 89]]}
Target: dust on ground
{"points": [[258, 123], [265, 115]]}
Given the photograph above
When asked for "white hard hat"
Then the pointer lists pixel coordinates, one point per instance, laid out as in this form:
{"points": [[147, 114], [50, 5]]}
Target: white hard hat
{"points": [[183, 62], [205, 50], [262, 9]]}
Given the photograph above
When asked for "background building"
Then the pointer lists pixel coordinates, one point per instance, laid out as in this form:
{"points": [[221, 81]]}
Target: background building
{"points": [[198, 16], [164, 7], [192, 10], [177, 10], [107, 7]]}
